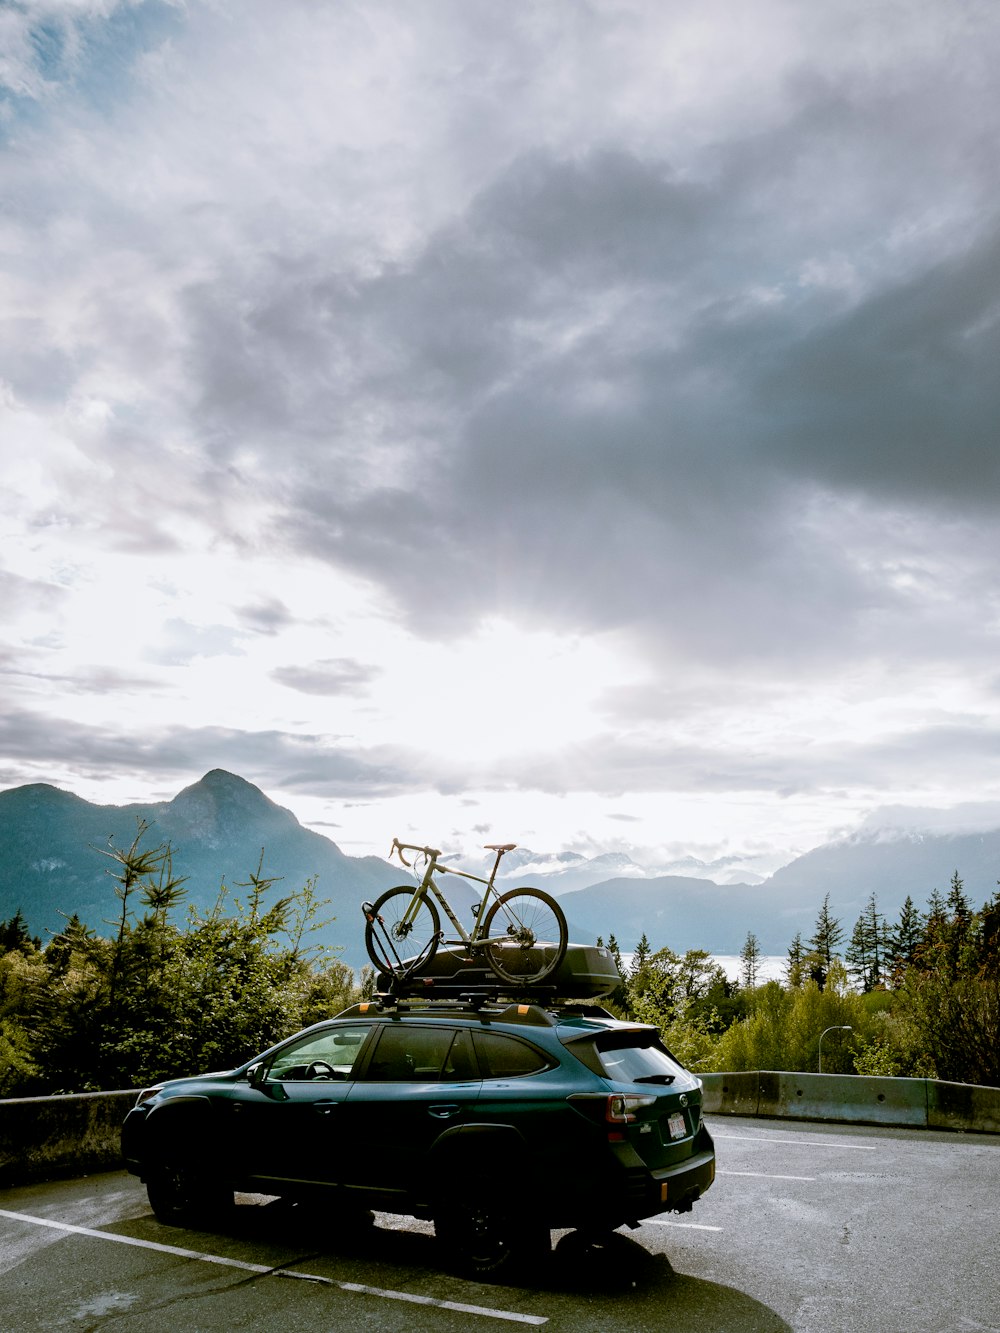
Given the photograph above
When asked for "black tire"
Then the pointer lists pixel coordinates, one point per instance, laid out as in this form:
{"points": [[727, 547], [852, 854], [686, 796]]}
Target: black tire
{"points": [[390, 944], [539, 927], [182, 1195], [484, 1239]]}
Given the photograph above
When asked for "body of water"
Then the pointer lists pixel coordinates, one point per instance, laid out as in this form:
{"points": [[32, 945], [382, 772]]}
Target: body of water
{"points": [[770, 966]]}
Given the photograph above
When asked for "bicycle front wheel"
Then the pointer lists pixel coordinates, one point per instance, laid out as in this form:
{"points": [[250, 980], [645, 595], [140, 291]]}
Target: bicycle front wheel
{"points": [[526, 936], [397, 946]]}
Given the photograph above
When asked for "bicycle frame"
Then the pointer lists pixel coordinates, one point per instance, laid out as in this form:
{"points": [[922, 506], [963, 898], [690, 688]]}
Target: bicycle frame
{"points": [[429, 884]]}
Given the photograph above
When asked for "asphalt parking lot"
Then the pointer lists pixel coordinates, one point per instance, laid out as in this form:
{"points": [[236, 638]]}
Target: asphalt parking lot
{"points": [[839, 1229]]}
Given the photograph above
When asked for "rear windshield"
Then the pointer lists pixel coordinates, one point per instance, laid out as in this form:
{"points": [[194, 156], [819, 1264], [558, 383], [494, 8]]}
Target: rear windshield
{"points": [[628, 1057]]}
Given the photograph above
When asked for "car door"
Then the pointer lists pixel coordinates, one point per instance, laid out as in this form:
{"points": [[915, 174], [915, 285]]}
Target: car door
{"points": [[417, 1082], [285, 1120]]}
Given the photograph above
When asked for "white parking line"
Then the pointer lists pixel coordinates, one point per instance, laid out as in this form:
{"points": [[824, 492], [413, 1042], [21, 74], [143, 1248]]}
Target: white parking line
{"points": [[267, 1271], [665, 1222], [794, 1141], [763, 1175]]}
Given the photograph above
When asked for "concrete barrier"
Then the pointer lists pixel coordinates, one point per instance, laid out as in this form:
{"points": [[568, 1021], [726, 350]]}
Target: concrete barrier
{"points": [[730, 1094], [866, 1101], [914, 1102], [44, 1138], [963, 1106]]}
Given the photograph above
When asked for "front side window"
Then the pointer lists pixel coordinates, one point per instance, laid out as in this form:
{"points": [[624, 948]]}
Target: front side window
{"points": [[326, 1056]]}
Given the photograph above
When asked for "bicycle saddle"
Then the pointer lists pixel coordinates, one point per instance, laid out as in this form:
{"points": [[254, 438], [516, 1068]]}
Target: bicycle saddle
{"points": [[500, 846]]}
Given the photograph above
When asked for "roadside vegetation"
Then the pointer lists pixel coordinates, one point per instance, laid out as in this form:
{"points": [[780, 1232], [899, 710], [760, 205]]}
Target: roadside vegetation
{"points": [[920, 995], [155, 998]]}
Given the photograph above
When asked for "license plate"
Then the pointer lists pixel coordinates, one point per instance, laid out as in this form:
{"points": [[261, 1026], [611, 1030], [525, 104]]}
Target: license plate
{"points": [[677, 1126]]}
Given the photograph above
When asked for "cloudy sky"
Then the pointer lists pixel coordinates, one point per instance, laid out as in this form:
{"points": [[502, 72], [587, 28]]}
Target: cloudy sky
{"points": [[570, 421]]}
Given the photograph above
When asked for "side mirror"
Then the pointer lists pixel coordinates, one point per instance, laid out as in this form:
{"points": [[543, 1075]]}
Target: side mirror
{"points": [[256, 1074]]}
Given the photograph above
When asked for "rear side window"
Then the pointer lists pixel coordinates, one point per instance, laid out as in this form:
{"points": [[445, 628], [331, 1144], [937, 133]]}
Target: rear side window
{"points": [[506, 1057], [405, 1054]]}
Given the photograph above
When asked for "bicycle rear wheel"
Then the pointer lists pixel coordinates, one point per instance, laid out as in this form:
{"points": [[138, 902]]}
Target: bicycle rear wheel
{"points": [[394, 945], [526, 936]]}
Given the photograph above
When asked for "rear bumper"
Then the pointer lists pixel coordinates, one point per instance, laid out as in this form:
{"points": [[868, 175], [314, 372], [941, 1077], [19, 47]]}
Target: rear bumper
{"points": [[631, 1190], [674, 1189]]}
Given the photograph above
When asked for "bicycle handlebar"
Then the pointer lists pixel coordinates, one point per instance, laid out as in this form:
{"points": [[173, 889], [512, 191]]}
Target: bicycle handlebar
{"points": [[399, 847]]}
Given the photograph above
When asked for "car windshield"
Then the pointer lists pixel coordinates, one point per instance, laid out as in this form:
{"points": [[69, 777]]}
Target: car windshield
{"points": [[638, 1060]]}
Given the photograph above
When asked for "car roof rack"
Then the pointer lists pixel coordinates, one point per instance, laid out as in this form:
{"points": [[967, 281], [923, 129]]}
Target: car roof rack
{"points": [[533, 1012]]}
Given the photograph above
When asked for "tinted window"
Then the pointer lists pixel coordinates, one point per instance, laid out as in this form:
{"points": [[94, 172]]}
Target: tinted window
{"points": [[407, 1054], [639, 1058], [329, 1054], [506, 1057]]}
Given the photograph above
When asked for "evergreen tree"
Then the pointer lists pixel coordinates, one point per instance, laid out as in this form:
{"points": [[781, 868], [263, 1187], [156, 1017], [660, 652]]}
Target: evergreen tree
{"points": [[865, 955], [989, 938], [825, 944], [960, 931], [750, 961], [904, 940], [14, 934], [795, 965], [641, 956], [856, 955], [934, 942], [959, 907], [618, 999]]}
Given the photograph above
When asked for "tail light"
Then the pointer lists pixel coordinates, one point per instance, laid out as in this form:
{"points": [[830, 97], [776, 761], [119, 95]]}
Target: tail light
{"points": [[621, 1107]]}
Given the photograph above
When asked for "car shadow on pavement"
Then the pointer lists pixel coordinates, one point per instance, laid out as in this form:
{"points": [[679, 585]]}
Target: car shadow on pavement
{"points": [[633, 1280], [614, 1273]]}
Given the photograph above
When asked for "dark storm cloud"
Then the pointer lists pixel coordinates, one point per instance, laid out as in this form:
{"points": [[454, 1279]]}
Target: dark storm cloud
{"points": [[278, 759], [616, 387], [590, 409], [899, 399]]}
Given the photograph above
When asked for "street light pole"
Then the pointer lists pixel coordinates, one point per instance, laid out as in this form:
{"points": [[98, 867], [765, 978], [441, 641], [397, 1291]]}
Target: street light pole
{"points": [[822, 1035]]}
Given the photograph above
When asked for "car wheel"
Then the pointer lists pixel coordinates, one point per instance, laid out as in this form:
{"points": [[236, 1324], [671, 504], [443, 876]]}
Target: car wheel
{"points": [[483, 1239], [181, 1195]]}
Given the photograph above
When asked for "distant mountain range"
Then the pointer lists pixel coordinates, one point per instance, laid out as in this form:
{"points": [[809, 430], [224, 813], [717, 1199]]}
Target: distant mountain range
{"points": [[51, 867]]}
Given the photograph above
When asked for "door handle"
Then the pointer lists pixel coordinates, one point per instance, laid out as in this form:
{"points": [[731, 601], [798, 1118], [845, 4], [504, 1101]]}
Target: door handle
{"points": [[323, 1108], [443, 1111]]}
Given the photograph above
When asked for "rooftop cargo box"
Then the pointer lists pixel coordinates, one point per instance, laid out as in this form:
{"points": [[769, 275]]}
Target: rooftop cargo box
{"points": [[586, 972]]}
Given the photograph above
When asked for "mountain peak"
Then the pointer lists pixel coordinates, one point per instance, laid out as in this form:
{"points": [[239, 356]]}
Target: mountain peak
{"points": [[222, 802], [38, 794]]}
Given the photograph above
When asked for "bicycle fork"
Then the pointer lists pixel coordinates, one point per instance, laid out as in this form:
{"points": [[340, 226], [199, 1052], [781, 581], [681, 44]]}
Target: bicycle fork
{"points": [[385, 937]]}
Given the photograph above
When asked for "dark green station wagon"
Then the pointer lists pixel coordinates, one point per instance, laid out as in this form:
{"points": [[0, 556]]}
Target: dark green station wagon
{"points": [[499, 1122]]}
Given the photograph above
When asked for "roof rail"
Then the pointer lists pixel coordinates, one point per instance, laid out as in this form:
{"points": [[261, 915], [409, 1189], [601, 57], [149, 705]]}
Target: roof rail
{"points": [[533, 1013]]}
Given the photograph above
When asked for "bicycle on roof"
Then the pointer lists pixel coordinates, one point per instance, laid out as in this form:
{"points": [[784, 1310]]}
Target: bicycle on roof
{"points": [[522, 933]]}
